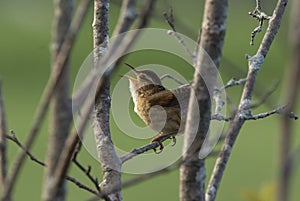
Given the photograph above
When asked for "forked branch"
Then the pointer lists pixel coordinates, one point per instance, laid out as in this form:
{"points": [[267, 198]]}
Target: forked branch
{"points": [[261, 17], [243, 111], [14, 139]]}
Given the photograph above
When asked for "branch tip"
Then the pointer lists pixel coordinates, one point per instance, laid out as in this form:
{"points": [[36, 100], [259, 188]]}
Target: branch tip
{"points": [[261, 17]]}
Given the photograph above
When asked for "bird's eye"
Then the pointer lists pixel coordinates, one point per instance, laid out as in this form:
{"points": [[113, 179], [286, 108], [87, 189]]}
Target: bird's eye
{"points": [[143, 77]]}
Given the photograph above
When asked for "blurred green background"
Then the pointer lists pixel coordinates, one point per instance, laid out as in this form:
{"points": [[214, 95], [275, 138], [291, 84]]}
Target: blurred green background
{"points": [[25, 28]]}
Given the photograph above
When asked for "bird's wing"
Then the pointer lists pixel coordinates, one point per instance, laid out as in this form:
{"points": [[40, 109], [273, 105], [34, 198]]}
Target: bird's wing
{"points": [[164, 98], [182, 94]]}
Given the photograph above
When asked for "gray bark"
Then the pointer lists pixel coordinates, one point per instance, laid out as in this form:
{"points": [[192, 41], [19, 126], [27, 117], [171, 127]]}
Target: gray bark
{"points": [[192, 171], [244, 110], [110, 163], [61, 115], [290, 94]]}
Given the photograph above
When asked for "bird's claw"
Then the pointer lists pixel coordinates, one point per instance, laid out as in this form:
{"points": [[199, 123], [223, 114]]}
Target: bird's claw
{"points": [[173, 138], [157, 152], [161, 146]]}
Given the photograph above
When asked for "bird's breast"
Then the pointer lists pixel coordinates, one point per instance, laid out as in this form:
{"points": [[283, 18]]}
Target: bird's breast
{"points": [[142, 108]]}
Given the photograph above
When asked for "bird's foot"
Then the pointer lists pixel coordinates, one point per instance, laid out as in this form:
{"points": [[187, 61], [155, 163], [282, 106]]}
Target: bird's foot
{"points": [[161, 146]]}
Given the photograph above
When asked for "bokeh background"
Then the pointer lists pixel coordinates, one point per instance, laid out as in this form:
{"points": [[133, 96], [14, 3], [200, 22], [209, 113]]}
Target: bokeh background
{"points": [[25, 28]]}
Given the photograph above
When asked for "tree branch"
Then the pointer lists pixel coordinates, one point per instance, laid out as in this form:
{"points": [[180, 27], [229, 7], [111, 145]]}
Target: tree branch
{"points": [[261, 17], [3, 156], [279, 110], [117, 48], [110, 163], [141, 178], [141, 150], [232, 83], [172, 78], [48, 92], [144, 177], [61, 114], [170, 20], [255, 64], [70, 145], [14, 139], [125, 20], [87, 171], [291, 92], [127, 17], [192, 172]]}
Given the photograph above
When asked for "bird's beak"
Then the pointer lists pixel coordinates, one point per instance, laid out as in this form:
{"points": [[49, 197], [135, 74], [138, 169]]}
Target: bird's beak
{"points": [[129, 78], [136, 72]]}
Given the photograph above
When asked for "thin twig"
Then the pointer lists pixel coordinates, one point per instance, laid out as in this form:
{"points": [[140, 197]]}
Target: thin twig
{"points": [[232, 82], [261, 17], [140, 179], [220, 117], [80, 185], [48, 91], [14, 139], [172, 78], [259, 87], [147, 176], [87, 171], [258, 4], [170, 20], [141, 150], [220, 103], [279, 110]]}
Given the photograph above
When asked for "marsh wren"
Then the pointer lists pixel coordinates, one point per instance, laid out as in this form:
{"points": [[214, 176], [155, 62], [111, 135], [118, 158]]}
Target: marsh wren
{"points": [[161, 109]]}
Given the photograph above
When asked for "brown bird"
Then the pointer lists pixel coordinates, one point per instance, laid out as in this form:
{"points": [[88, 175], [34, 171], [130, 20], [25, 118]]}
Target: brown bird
{"points": [[161, 109]]}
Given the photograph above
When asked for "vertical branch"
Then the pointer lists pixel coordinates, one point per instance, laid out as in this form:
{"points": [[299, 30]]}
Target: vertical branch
{"points": [[61, 115], [110, 163], [47, 93], [127, 17], [192, 172], [291, 93], [3, 159], [243, 111]]}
